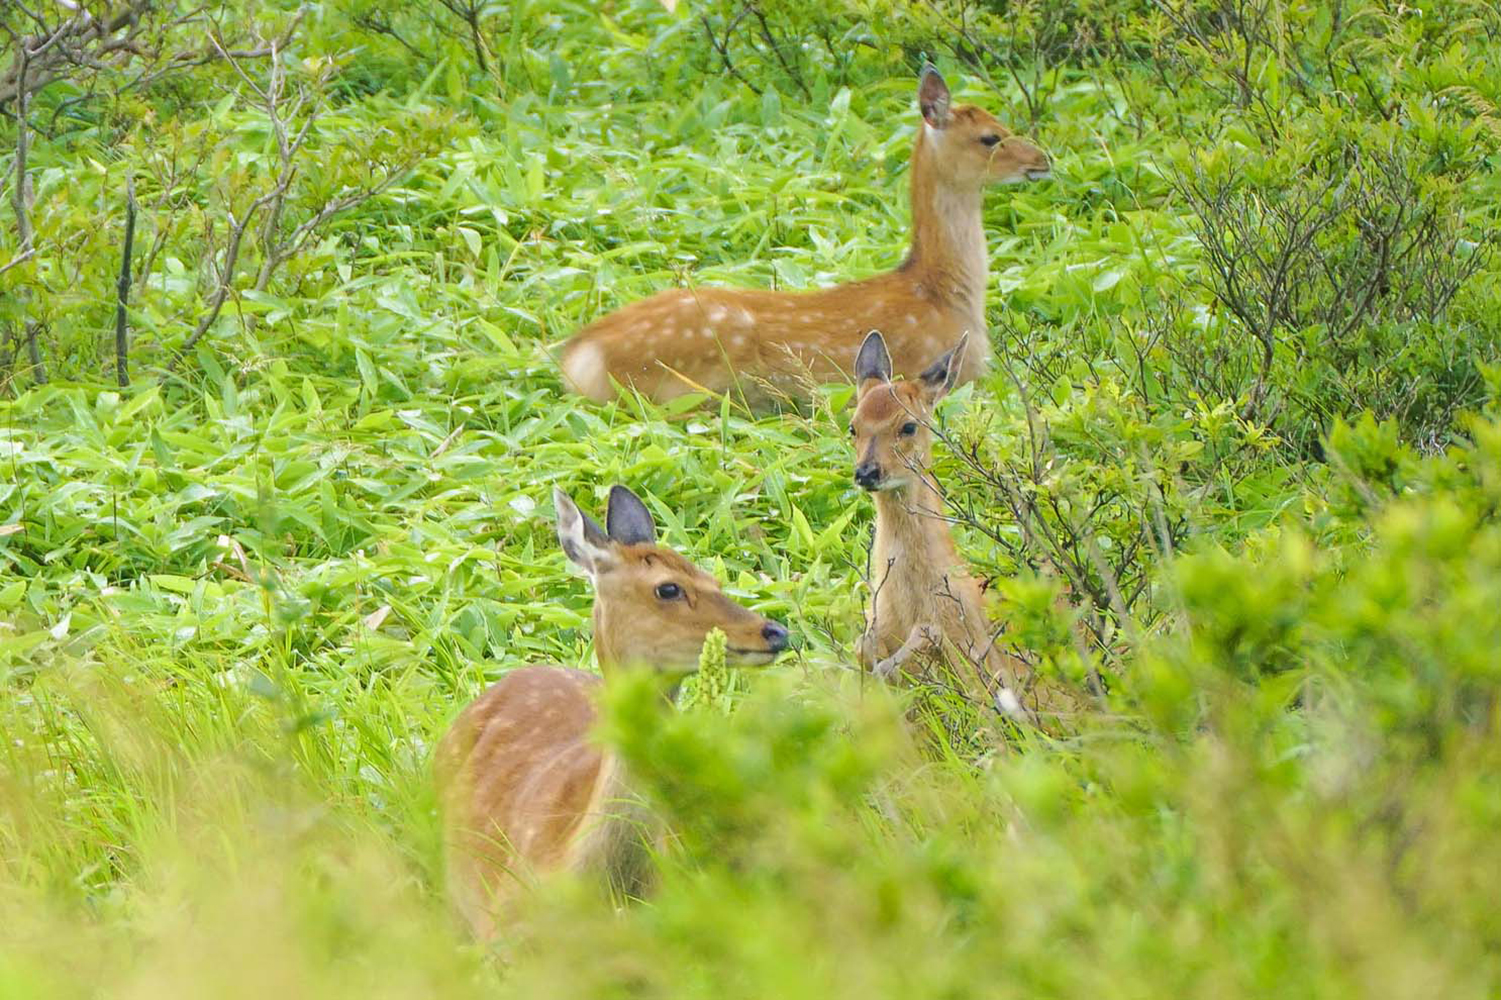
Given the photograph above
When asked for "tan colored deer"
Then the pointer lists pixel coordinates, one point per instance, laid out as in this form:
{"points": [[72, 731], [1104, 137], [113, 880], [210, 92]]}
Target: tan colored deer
{"points": [[756, 344], [524, 789], [925, 606]]}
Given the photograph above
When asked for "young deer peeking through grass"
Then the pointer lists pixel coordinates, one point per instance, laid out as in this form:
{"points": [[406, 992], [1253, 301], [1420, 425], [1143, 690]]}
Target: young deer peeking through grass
{"points": [[761, 343], [524, 790], [925, 607]]}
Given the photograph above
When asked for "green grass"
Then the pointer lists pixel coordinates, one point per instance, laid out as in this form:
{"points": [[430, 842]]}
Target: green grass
{"points": [[240, 601]]}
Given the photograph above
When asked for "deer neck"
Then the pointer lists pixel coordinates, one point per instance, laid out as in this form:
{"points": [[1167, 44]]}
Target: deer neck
{"points": [[948, 256], [612, 663], [909, 520], [604, 653]]}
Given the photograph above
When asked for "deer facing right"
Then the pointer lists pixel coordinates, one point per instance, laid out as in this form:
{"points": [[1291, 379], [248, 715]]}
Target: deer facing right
{"points": [[524, 788], [925, 605], [748, 341]]}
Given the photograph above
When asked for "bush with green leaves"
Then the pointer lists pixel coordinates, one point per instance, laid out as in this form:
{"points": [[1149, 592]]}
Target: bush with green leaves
{"points": [[1300, 806]]}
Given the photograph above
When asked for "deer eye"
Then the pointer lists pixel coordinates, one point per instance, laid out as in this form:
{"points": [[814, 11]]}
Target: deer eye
{"points": [[669, 591], [990, 140], [853, 432], [909, 428]]}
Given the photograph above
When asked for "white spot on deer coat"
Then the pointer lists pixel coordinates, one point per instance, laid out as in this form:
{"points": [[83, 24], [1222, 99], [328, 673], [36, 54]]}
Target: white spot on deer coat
{"points": [[584, 369]]}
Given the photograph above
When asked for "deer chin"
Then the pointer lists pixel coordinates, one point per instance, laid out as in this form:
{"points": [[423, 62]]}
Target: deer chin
{"points": [[749, 657], [1023, 177], [891, 484]]}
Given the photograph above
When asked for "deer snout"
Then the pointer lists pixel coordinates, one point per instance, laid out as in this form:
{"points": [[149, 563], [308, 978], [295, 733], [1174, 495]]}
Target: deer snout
{"points": [[776, 635], [1042, 168], [868, 475]]}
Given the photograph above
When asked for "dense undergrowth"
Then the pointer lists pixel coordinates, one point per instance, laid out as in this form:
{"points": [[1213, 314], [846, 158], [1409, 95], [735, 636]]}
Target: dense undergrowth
{"points": [[1243, 418]]}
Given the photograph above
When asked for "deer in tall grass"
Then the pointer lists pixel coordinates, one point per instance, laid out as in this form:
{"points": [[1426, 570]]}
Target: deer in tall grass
{"points": [[925, 607], [760, 344], [524, 789]]}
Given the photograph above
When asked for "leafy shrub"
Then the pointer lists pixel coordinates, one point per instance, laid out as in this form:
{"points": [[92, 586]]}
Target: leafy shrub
{"points": [[1340, 253], [1311, 770]]}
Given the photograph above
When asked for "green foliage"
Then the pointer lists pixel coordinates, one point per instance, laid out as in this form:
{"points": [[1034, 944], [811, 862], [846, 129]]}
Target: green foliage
{"points": [[240, 600], [1314, 764], [708, 689]]}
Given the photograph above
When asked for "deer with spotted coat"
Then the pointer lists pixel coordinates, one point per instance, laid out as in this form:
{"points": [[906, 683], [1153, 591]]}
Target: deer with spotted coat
{"points": [[524, 789], [757, 345]]}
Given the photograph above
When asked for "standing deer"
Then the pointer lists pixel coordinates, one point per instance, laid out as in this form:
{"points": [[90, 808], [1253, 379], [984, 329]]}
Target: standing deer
{"points": [[761, 343], [925, 605], [523, 787]]}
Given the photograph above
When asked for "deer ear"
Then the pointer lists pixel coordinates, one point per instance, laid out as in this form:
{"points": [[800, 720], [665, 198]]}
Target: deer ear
{"points": [[873, 361], [933, 98], [584, 542], [628, 519], [941, 375]]}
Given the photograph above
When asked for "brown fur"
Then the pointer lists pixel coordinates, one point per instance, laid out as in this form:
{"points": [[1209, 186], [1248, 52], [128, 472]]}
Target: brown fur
{"points": [[728, 340], [524, 789], [925, 607]]}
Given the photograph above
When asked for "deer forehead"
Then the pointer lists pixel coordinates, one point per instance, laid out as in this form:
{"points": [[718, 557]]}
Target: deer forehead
{"points": [[975, 118], [655, 562], [888, 402]]}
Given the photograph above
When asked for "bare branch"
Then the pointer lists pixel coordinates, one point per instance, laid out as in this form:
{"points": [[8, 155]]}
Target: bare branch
{"points": [[122, 287], [226, 275], [21, 203], [722, 47], [77, 41], [138, 32], [469, 11], [18, 260], [379, 23], [276, 246]]}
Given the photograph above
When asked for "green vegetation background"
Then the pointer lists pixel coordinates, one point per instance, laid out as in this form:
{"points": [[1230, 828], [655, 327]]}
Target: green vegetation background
{"points": [[1245, 418]]}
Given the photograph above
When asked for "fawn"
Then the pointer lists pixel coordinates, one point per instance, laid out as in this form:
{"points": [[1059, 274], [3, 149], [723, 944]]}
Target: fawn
{"points": [[524, 789], [924, 601], [763, 343]]}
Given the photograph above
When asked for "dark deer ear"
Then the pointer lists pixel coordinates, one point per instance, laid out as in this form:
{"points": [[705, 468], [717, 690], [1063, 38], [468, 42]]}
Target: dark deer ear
{"points": [[941, 375], [873, 361], [628, 520], [933, 98]]}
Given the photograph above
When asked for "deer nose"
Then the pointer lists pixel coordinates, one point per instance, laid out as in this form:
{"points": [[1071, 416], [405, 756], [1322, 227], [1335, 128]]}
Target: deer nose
{"points": [[776, 636], [868, 475]]}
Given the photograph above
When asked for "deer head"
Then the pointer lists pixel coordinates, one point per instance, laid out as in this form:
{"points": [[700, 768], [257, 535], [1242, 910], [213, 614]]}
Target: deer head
{"points": [[892, 425], [969, 145], [652, 607]]}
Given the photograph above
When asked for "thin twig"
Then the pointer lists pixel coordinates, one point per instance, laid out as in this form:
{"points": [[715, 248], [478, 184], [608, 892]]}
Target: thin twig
{"points": [[226, 277], [122, 287], [18, 260], [277, 247], [723, 47], [21, 201], [776, 50]]}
